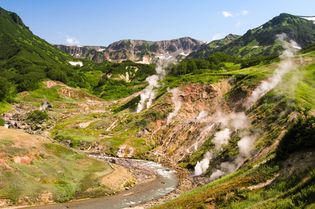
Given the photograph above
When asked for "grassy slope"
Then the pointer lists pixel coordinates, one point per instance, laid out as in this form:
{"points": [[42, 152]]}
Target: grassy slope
{"points": [[23, 49], [232, 191], [53, 170], [128, 123], [261, 41]]}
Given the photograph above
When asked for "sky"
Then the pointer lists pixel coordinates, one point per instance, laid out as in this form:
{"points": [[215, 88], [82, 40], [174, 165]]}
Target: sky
{"points": [[101, 22]]}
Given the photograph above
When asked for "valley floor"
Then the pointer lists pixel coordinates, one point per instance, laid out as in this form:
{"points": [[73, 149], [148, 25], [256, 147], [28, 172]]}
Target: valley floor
{"points": [[81, 121]]}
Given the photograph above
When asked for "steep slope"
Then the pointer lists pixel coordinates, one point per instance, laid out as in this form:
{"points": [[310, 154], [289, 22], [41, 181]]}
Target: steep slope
{"points": [[19, 43], [26, 59], [135, 50], [263, 41], [278, 171]]}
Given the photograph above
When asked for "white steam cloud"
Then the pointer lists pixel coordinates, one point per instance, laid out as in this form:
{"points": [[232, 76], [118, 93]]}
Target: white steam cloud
{"points": [[177, 101], [286, 65], [203, 165], [202, 116], [148, 94], [216, 174], [246, 145], [234, 120], [221, 138]]}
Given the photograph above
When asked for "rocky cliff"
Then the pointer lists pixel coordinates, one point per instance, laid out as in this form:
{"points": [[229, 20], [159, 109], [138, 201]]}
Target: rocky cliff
{"points": [[135, 50]]}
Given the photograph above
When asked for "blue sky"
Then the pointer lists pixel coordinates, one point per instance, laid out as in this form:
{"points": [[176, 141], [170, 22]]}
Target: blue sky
{"points": [[100, 22]]}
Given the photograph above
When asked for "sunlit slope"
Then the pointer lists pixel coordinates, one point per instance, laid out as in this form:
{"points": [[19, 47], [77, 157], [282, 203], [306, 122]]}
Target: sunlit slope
{"points": [[35, 170], [281, 173]]}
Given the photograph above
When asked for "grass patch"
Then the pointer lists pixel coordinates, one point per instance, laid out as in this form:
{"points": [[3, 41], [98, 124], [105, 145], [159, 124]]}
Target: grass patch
{"points": [[5, 107]]}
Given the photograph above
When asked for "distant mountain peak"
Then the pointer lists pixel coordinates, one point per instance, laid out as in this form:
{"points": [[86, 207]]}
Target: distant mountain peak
{"points": [[136, 50]]}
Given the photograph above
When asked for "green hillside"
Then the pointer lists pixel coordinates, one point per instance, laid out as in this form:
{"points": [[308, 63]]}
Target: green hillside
{"points": [[262, 41], [26, 59]]}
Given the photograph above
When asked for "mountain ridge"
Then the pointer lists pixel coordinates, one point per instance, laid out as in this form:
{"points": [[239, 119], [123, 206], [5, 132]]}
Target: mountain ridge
{"points": [[134, 50], [262, 40]]}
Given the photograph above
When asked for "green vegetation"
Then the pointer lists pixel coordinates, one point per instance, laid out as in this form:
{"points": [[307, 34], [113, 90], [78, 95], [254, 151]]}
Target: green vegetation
{"points": [[119, 80], [283, 119], [300, 136], [2, 122], [292, 179], [214, 62], [53, 171], [262, 41], [237, 190], [6, 90], [37, 116], [217, 62], [25, 60], [4, 107]]}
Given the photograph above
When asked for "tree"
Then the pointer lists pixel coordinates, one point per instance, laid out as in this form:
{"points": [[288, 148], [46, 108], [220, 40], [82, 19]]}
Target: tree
{"points": [[191, 66], [57, 75], [6, 89]]}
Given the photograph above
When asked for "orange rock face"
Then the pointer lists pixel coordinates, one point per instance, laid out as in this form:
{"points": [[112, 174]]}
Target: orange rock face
{"points": [[22, 160]]}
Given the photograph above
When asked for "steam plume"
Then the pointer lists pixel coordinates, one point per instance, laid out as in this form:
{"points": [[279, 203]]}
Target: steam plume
{"points": [[177, 103], [203, 165], [148, 94], [221, 138], [246, 144], [233, 120], [286, 65], [201, 116]]}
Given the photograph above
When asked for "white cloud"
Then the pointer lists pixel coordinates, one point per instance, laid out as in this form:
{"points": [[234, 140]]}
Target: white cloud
{"points": [[227, 14], [235, 14], [216, 36], [72, 41], [245, 12]]}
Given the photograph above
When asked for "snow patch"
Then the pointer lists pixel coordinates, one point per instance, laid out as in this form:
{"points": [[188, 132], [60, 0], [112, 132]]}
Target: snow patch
{"points": [[78, 63], [100, 50], [184, 54], [310, 18]]}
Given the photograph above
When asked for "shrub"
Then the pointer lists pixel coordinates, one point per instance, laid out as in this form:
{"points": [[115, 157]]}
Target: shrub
{"points": [[37, 116], [5, 87], [300, 136], [2, 122], [57, 75]]}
